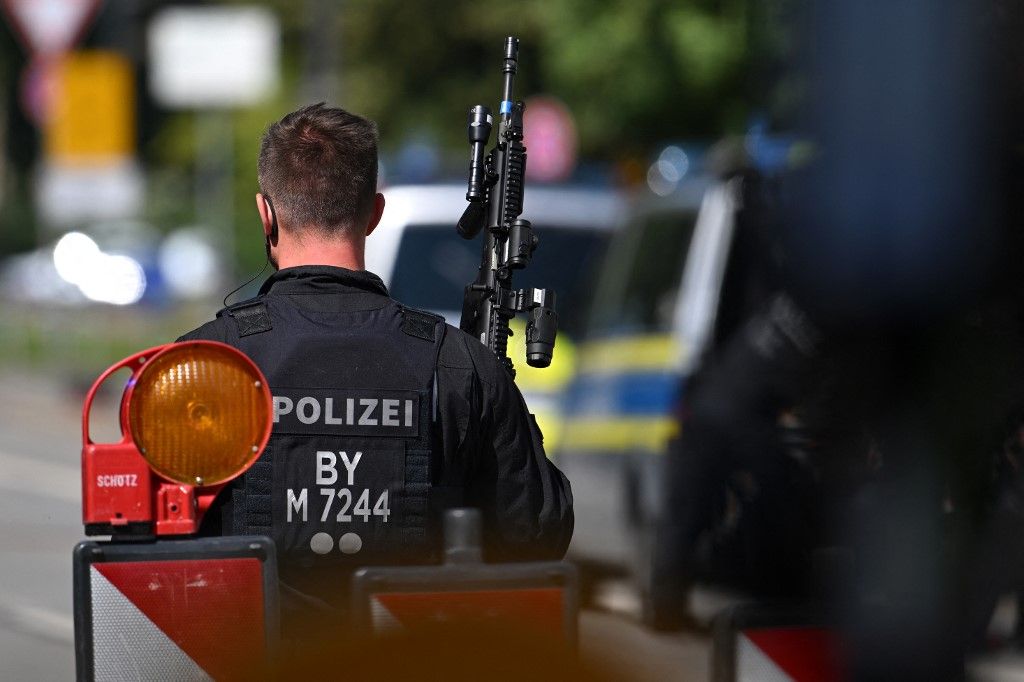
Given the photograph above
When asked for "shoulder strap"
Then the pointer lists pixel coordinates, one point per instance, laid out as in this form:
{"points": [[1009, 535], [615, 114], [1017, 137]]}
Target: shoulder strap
{"points": [[251, 316], [423, 325]]}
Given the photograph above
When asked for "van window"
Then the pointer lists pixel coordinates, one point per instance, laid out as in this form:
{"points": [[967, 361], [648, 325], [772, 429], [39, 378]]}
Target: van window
{"points": [[640, 280], [434, 265]]}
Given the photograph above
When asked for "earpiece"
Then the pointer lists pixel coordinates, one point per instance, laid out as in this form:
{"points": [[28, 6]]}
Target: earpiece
{"points": [[272, 237]]}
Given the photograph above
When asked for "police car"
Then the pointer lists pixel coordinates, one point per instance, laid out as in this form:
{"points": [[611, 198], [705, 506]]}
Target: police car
{"points": [[652, 316], [426, 265]]}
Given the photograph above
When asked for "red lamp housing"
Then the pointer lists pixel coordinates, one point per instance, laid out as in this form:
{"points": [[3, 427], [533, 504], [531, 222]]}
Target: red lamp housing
{"points": [[194, 416]]}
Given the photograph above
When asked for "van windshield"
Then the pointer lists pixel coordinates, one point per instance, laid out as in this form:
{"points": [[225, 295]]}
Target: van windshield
{"points": [[434, 265], [639, 284]]}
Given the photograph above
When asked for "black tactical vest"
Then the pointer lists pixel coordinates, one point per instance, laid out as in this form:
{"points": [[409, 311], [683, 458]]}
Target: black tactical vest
{"points": [[346, 476]]}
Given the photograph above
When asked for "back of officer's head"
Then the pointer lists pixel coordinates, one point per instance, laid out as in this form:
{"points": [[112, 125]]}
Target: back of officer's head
{"points": [[318, 165]]}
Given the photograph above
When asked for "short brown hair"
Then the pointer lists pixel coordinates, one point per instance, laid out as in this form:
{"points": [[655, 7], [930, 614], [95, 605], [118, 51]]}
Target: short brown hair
{"points": [[319, 167]]}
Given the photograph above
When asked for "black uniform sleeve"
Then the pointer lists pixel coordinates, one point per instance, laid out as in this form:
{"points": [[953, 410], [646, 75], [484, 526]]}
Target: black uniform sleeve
{"points": [[526, 501]]}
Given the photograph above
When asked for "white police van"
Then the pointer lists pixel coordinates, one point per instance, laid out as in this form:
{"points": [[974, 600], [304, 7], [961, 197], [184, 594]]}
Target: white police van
{"points": [[652, 317]]}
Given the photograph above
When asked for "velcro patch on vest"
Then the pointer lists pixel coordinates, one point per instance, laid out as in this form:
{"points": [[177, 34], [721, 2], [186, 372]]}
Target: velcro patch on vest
{"points": [[349, 412], [252, 318], [419, 324]]}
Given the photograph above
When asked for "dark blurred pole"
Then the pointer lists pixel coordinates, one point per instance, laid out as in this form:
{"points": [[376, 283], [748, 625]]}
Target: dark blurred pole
{"points": [[899, 218], [320, 79], [760, 78], [895, 242], [119, 26], [3, 151]]}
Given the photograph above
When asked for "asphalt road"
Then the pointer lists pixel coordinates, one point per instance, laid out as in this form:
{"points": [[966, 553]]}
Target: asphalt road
{"points": [[40, 514], [40, 522]]}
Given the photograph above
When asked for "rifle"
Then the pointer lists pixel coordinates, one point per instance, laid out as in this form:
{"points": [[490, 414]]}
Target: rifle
{"points": [[495, 196]]}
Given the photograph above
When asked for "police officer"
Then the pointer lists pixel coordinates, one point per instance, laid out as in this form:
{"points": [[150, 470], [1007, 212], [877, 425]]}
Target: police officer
{"points": [[383, 415]]}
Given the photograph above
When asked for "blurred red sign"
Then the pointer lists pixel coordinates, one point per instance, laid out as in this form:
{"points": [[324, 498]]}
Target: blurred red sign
{"points": [[550, 136], [49, 27]]}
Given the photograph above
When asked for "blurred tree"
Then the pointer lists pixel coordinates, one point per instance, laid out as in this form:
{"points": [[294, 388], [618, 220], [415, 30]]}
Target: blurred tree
{"points": [[413, 68], [639, 71], [634, 72]]}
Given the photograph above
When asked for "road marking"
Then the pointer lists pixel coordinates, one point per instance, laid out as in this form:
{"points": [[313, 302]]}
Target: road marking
{"points": [[38, 622], [30, 476]]}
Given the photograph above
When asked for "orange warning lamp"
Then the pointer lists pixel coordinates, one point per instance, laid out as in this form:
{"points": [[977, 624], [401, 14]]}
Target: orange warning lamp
{"points": [[194, 416]]}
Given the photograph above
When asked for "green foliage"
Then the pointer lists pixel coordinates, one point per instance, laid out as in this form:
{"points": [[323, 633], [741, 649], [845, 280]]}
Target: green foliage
{"points": [[418, 66], [639, 71], [634, 72], [17, 220]]}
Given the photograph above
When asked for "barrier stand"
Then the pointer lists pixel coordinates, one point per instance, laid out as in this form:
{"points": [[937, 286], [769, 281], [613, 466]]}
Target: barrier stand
{"points": [[538, 596], [775, 643], [194, 609]]}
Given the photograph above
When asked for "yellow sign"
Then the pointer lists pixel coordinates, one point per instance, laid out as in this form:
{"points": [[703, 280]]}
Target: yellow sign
{"points": [[93, 114]]}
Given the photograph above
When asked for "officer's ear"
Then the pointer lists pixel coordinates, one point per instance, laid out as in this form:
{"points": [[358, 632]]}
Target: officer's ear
{"points": [[266, 214], [378, 211]]}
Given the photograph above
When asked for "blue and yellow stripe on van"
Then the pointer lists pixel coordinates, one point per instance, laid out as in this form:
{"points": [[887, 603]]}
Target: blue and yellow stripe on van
{"points": [[622, 397]]}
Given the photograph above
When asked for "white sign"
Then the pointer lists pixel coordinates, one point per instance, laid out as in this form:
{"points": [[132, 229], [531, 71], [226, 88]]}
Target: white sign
{"points": [[50, 26], [213, 56], [67, 195]]}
